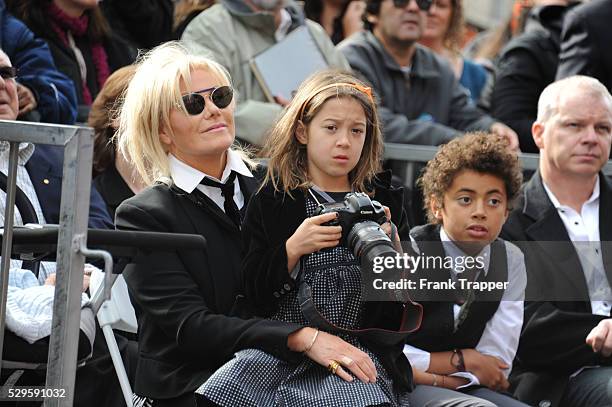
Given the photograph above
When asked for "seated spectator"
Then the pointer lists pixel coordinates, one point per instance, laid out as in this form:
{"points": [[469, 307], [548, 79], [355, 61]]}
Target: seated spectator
{"points": [[468, 337], [584, 42], [39, 179], [143, 24], [185, 11], [45, 94], [485, 47], [232, 33], [566, 343], [180, 139], [525, 67], [81, 42], [326, 144], [114, 176], [339, 18], [443, 34], [421, 100]]}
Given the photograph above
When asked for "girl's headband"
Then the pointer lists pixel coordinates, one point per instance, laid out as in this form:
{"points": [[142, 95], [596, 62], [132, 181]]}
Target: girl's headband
{"points": [[363, 89]]}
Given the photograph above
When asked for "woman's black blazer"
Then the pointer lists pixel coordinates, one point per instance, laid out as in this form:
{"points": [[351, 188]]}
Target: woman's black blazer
{"points": [[183, 298]]}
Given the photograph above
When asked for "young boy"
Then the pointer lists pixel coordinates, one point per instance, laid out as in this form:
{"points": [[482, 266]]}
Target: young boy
{"points": [[473, 283]]}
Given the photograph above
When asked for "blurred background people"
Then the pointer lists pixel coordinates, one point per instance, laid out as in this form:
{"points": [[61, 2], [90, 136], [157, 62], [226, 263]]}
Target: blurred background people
{"points": [[339, 18], [422, 101], [443, 34], [585, 41], [184, 12], [527, 64], [45, 94], [81, 42], [115, 177], [144, 24], [232, 32]]}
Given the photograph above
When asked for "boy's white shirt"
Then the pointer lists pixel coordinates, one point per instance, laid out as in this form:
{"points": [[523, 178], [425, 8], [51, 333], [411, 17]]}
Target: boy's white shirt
{"points": [[500, 337]]}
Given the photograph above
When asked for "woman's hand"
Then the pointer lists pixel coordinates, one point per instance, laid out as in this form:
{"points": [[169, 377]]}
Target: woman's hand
{"points": [[311, 237], [510, 135], [27, 101], [352, 21], [488, 369], [327, 348]]}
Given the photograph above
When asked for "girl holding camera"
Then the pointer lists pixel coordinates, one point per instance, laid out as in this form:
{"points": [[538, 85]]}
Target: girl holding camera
{"points": [[177, 127], [326, 144]]}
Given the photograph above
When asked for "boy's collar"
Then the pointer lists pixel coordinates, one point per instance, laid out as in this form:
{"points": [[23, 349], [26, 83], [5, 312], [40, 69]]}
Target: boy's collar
{"points": [[452, 250]]}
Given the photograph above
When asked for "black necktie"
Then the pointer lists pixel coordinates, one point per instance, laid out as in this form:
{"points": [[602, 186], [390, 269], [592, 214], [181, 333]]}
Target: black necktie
{"points": [[466, 297], [227, 191]]}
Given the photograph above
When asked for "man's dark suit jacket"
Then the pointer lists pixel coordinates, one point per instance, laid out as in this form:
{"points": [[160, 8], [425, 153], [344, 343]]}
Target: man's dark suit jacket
{"points": [[45, 170], [585, 42], [183, 298], [554, 332]]}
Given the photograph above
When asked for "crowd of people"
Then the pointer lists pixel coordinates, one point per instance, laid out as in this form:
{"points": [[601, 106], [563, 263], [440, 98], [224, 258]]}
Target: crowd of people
{"points": [[274, 311]]}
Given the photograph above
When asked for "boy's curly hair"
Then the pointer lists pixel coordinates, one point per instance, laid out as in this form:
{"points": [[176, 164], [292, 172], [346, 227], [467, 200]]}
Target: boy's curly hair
{"points": [[481, 152]]}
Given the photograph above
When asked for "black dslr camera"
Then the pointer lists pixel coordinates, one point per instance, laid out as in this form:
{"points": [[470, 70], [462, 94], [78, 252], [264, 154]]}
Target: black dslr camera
{"points": [[360, 218]]}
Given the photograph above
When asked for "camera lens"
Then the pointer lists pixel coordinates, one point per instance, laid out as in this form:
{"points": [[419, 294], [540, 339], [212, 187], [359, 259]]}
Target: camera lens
{"points": [[367, 241]]}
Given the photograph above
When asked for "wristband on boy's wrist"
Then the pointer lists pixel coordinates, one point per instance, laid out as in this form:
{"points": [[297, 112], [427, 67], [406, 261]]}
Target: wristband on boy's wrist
{"points": [[460, 364]]}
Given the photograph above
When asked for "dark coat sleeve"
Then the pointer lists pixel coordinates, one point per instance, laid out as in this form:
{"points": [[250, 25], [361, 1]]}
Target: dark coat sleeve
{"points": [[264, 266], [54, 92], [520, 79], [145, 23], [45, 168], [162, 287], [576, 51], [580, 50], [546, 342]]}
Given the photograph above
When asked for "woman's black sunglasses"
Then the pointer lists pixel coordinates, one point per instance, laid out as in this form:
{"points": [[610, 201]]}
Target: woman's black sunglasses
{"points": [[194, 102], [424, 5], [8, 72]]}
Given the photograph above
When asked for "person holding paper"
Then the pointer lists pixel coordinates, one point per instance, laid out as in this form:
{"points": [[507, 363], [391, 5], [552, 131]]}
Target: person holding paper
{"points": [[232, 33]]}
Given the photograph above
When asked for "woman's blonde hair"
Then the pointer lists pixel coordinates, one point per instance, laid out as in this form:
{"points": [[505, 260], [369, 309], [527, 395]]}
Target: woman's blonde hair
{"points": [[288, 163], [152, 94]]}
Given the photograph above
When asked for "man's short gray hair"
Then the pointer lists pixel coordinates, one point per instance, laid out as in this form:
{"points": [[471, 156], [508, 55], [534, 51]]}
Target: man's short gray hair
{"points": [[550, 96]]}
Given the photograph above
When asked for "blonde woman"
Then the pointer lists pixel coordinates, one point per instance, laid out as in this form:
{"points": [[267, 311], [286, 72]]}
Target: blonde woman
{"points": [[177, 127], [326, 144]]}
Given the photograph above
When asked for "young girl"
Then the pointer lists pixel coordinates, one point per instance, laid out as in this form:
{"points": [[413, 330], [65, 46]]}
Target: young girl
{"points": [[327, 144]]}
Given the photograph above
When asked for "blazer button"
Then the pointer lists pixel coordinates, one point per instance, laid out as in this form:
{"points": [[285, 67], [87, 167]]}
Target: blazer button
{"points": [[287, 287], [276, 294], [46, 181]]}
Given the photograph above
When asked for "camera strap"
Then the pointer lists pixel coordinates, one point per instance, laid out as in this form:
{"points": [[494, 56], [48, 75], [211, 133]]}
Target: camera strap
{"points": [[321, 193], [410, 320]]}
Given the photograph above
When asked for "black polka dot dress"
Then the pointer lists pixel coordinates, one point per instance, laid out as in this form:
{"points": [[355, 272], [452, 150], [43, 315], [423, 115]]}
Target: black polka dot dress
{"points": [[256, 378]]}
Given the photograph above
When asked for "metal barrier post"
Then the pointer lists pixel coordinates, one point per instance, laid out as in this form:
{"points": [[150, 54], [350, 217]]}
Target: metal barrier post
{"points": [[76, 184], [7, 241]]}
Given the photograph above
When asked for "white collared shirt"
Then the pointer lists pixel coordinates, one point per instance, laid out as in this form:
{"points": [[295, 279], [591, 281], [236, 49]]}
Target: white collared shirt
{"points": [[500, 337], [25, 184], [284, 25], [188, 178], [584, 227]]}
